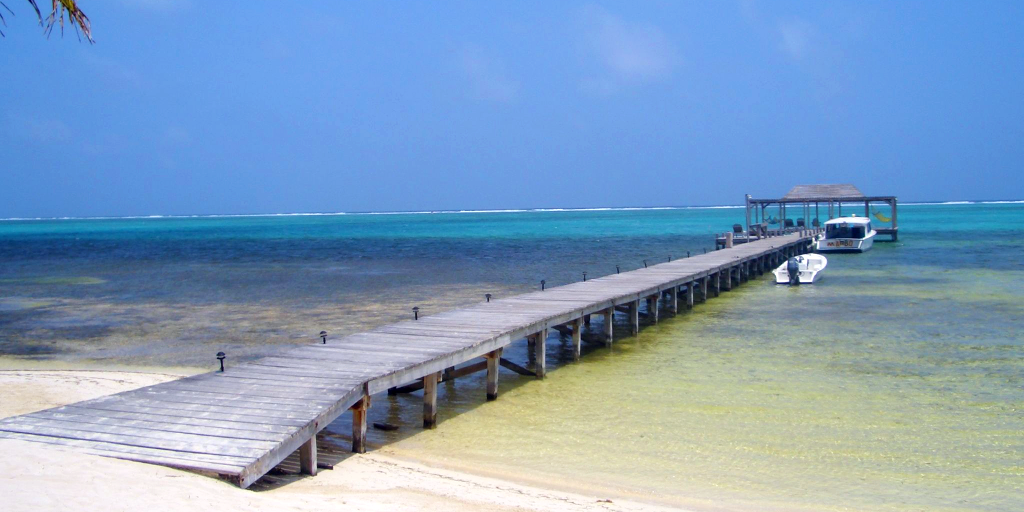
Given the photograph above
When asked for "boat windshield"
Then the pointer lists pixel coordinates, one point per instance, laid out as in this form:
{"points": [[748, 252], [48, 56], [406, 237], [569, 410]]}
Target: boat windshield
{"points": [[844, 230]]}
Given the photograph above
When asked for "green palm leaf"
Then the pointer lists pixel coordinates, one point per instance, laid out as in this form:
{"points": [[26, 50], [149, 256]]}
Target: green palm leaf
{"points": [[59, 8]]}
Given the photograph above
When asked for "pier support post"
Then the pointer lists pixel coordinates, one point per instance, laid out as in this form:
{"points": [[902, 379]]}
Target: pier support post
{"points": [[493, 360], [430, 399], [717, 281], [652, 308], [609, 325], [728, 279], [704, 289], [675, 300], [586, 319], [634, 316], [577, 337], [539, 352], [689, 294], [307, 456], [359, 424]]}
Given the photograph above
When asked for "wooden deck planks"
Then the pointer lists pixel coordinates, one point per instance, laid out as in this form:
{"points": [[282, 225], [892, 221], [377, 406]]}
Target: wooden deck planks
{"points": [[241, 422]]}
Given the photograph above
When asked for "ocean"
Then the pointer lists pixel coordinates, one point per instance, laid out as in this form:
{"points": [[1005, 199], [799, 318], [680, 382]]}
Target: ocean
{"points": [[896, 383]]}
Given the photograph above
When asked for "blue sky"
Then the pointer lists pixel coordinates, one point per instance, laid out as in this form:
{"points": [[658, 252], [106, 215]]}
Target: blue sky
{"points": [[188, 107]]}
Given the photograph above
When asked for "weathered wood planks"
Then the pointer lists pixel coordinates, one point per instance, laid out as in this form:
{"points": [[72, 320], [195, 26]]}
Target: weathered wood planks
{"points": [[240, 423]]}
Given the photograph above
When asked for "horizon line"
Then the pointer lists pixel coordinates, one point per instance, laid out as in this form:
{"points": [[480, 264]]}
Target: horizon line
{"points": [[451, 211]]}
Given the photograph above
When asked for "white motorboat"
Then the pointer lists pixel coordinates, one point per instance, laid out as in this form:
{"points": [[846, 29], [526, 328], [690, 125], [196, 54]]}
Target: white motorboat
{"points": [[805, 269], [847, 234]]}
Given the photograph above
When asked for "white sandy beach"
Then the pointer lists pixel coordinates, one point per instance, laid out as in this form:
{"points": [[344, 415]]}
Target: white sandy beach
{"points": [[36, 477]]}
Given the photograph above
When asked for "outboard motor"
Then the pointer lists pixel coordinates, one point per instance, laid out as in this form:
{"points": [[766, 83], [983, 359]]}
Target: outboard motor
{"points": [[793, 269]]}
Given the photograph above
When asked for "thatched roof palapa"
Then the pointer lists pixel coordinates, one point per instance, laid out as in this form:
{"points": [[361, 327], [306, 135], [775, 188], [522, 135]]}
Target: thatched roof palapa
{"points": [[823, 192]]}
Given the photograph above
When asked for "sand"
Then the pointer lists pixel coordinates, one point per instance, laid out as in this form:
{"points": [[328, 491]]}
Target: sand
{"points": [[36, 477]]}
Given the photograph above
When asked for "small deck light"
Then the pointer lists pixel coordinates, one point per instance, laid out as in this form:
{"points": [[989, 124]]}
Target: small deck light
{"points": [[323, 336], [542, 283], [220, 357], [584, 277], [487, 296], [416, 313]]}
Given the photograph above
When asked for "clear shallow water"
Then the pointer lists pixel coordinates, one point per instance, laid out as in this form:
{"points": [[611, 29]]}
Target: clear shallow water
{"points": [[894, 384]]}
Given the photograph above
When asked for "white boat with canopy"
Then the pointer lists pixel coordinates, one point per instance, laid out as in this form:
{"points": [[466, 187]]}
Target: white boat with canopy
{"points": [[847, 234]]}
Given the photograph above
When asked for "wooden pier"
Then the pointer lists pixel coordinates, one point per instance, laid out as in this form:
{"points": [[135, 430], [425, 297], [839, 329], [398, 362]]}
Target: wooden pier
{"points": [[240, 423]]}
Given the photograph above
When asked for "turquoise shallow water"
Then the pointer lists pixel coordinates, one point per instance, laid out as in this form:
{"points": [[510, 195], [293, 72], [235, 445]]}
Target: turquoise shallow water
{"points": [[894, 384]]}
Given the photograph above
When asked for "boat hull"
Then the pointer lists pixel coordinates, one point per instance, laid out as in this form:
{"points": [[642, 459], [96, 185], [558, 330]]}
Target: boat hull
{"points": [[846, 244], [810, 270]]}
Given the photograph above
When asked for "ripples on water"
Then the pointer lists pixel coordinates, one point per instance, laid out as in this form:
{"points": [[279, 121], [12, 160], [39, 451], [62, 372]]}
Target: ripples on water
{"points": [[894, 384]]}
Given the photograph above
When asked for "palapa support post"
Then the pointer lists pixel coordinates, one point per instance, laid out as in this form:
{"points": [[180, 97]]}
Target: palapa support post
{"points": [[430, 399], [609, 325], [359, 424], [540, 352], [577, 338], [634, 316], [493, 361], [307, 456]]}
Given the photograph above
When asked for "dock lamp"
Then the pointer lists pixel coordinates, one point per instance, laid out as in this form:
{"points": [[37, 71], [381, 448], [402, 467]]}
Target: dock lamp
{"points": [[542, 284], [584, 277], [323, 336], [416, 313], [220, 357], [487, 296]]}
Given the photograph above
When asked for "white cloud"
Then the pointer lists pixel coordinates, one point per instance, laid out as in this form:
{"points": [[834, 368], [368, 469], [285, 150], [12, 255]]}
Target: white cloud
{"points": [[157, 5], [40, 130], [176, 136], [487, 76], [629, 52], [796, 37], [112, 71]]}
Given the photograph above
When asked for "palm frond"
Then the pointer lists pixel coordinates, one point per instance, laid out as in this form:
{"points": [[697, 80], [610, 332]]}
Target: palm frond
{"points": [[77, 18], [2, 20]]}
